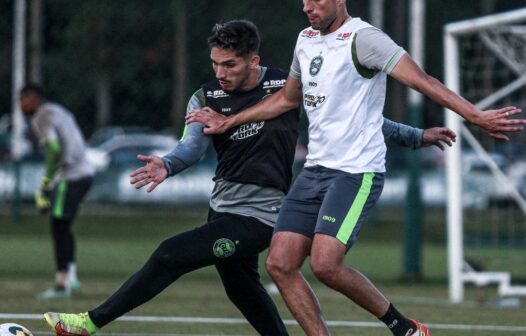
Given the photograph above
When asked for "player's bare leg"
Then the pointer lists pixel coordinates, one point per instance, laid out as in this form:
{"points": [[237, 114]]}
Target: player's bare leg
{"points": [[327, 265], [288, 251]]}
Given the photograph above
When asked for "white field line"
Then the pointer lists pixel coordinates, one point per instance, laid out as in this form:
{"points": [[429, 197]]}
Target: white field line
{"points": [[218, 320], [49, 333]]}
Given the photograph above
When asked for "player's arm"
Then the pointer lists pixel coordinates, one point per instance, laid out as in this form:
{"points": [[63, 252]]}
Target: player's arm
{"points": [[401, 134], [494, 122], [376, 51], [48, 138], [189, 151], [49, 142], [285, 99], [52, 150], [407, 136]]}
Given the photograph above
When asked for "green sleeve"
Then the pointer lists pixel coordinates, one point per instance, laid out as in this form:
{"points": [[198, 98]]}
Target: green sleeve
{"points": [[52, 152]]}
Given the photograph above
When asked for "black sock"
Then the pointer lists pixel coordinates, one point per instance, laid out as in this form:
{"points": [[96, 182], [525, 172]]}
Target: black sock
{"points": [[397, 323]]}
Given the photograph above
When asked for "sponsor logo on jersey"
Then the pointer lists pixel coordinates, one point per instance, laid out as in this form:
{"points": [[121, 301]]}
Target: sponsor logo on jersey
{"points": [[247, 130], [343, 36], [315, 65], [312, 100], [309, 33], [274, 83], [224, 248], [216, 94]]}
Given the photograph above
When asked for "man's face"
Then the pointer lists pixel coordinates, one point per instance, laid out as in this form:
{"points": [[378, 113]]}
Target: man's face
{"points": [[29, 102], [321, 13], [232, 71]]}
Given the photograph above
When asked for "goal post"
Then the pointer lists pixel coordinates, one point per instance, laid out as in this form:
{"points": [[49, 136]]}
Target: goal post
{"points": [[485, 62]]}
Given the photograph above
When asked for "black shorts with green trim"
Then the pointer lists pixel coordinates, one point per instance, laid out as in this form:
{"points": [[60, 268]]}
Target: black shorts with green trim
{"points": [[67, 196], [331, 202]]}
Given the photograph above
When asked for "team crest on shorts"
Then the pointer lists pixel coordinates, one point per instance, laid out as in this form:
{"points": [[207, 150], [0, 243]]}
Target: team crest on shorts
{"points": [[315, 65], [224, 248]]}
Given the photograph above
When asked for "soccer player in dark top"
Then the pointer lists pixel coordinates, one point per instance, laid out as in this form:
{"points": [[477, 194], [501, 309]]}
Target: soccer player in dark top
{"points": [[253, 174]]}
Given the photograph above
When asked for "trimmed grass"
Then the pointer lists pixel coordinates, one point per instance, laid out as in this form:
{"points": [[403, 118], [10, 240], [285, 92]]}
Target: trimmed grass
{"points": [[113, 245]]}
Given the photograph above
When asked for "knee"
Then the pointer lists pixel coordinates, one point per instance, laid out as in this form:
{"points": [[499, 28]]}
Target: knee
{"points": [[278, 267], [272, 267], [324, 271], [162, 256]]}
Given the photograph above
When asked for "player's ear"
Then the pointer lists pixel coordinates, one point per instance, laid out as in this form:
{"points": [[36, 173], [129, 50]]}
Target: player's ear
{"points": [[254, 61]]}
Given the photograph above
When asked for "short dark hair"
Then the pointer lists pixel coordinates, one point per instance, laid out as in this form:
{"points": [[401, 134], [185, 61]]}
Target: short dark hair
{"points": [[242, 36], [33, 88]]}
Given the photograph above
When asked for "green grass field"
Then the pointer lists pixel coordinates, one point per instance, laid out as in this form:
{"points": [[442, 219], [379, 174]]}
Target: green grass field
{"points": [[113, 243]]}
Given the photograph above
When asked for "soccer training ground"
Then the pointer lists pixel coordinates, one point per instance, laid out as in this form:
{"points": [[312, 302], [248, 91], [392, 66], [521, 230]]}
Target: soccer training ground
{"points": [[113, 242]]}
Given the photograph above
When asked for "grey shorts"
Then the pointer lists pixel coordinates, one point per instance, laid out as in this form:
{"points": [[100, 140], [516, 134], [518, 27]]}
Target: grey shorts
{"points": [[331, 202]]}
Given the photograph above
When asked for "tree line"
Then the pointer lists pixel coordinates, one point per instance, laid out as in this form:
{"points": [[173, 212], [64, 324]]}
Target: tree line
{"points": [[134, 62]]}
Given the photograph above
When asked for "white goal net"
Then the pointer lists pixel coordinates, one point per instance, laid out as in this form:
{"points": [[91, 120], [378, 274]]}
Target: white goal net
{"points": [[485, 62]]}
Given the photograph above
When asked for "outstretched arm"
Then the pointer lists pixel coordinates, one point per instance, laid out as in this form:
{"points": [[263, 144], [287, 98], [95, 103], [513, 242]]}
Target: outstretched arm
{"points": [[405, 135], [152, 172], [157, 169], [286, 99], [438, 136], [494, 122]]}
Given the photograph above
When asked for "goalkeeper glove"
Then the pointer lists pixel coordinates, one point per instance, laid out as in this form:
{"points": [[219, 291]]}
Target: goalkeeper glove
{"points": [[43, 196]]}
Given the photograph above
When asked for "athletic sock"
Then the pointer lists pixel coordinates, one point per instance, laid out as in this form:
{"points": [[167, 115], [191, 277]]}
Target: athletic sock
{"points": [[397, 323], [72, 272]]}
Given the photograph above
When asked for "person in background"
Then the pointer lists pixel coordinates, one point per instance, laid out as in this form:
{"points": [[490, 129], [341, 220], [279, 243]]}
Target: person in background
{"points": [[66, 180]]}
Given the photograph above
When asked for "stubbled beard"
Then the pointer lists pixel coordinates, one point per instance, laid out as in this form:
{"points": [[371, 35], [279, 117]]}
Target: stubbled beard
{"points": [[325, 24]]}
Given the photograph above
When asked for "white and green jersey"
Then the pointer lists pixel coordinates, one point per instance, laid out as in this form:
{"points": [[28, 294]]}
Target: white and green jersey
{"points": [[52, 122], [343, 75]]}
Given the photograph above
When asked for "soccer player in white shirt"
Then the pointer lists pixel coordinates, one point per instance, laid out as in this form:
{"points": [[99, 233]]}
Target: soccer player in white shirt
{"points": [[339, 74], [67, 178]]}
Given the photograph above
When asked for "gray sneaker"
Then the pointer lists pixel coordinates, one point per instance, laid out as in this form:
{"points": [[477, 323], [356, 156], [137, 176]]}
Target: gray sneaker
{"points": [[56, 292]]}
